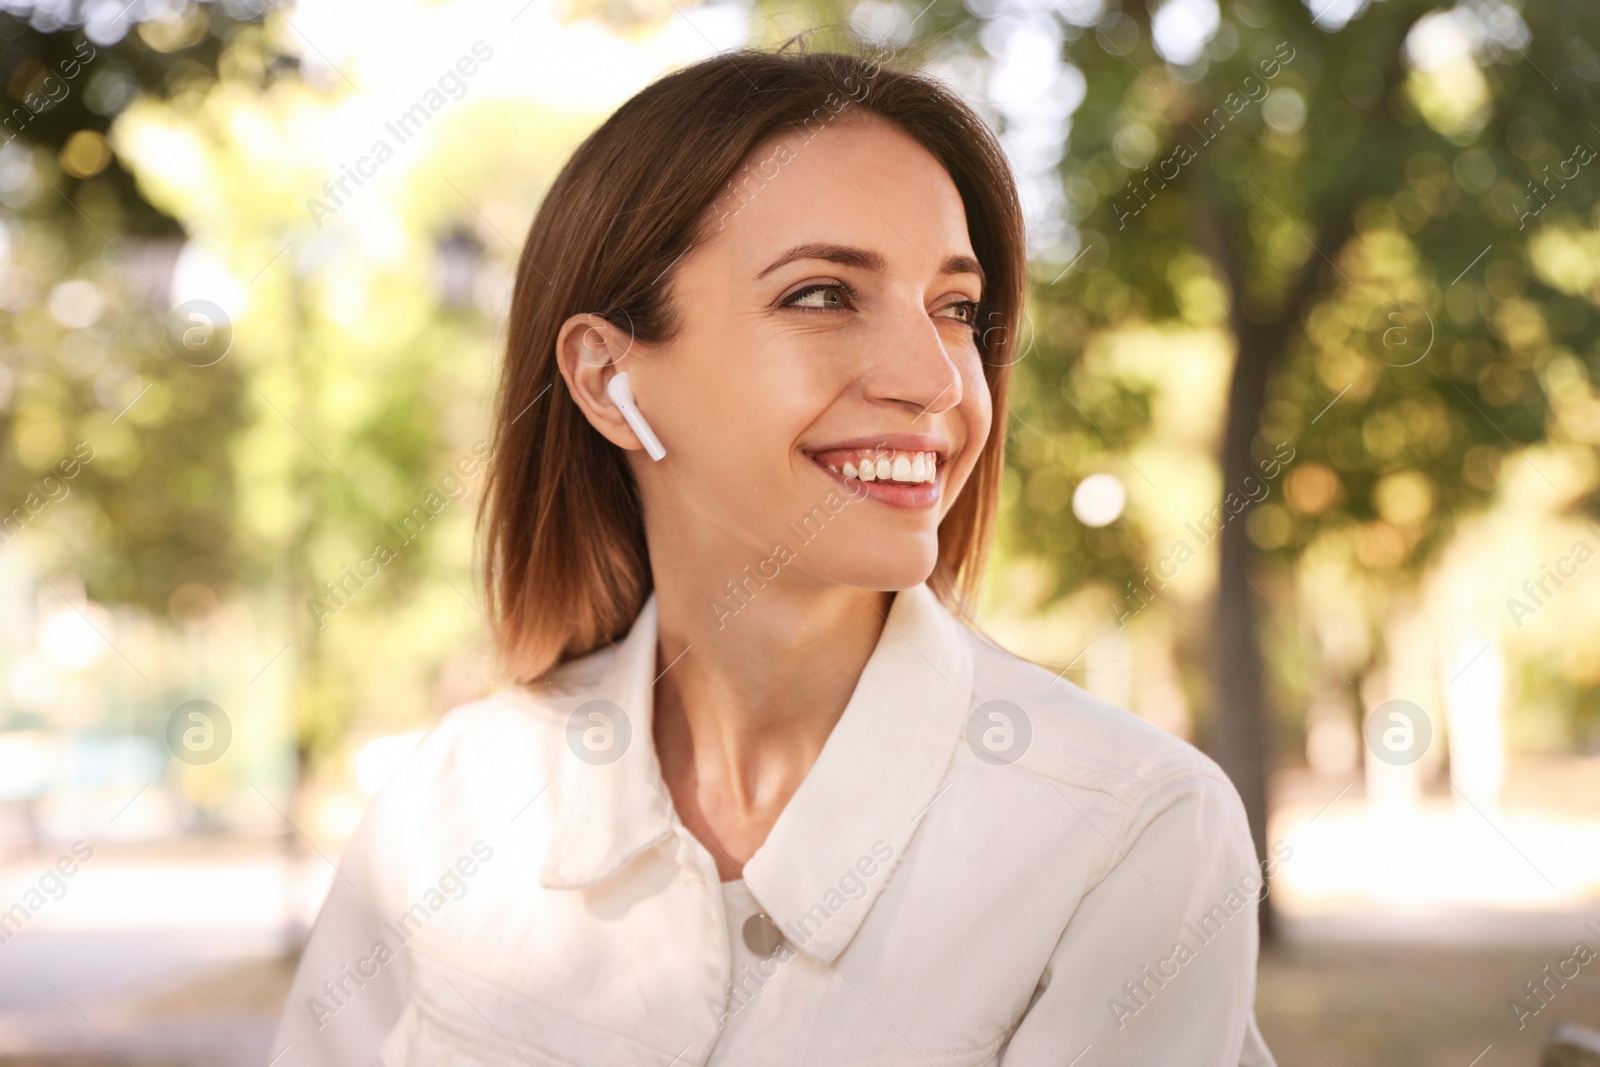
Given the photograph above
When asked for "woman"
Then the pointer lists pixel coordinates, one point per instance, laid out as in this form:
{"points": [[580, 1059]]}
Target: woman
{"points": [[761, 795]]}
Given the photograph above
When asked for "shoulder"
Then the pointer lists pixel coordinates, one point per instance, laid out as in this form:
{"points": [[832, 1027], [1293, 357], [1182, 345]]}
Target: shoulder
{"points": [[526, 714], [1078, 740], [488, 751], [484, 781]]}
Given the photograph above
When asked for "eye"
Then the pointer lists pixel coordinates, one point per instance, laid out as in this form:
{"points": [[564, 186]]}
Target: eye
{"points": [[968, 309], [824, 296]]}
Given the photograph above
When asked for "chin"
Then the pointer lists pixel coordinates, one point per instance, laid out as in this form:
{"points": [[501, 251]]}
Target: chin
{"points": [[899, 563]]}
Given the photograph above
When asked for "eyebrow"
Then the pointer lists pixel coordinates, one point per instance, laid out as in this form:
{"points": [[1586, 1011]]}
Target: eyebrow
{"points": [[867, 260]]}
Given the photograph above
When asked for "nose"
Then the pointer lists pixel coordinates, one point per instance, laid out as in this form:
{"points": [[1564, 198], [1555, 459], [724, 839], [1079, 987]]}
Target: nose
{"points": [[912, 368]]}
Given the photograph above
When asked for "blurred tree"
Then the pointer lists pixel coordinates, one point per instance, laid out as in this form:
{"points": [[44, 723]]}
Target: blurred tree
{"points": [[1395, 205], [84, 279], [279, 466], [368, 349]]}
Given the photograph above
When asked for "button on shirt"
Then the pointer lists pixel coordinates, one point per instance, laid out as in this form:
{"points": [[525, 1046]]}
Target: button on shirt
{"points": [[985, 865]]}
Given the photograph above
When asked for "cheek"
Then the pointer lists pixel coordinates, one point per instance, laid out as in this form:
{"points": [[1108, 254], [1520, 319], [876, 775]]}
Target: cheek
{"points": [[978, 393], [743, 436], [784, 394], [974, 416], [977, 409]]}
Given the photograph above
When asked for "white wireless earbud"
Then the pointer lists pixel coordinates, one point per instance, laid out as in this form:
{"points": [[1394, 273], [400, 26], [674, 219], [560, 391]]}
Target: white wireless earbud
{"points": [[621, 395]]}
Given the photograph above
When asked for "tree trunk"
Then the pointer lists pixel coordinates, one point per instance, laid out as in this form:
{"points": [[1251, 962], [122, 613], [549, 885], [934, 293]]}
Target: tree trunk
{"points": [[1239, 723], [1240, 728]]}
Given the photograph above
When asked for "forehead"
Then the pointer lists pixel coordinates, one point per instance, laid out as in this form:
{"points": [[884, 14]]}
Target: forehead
{"points": [[861, 180]]}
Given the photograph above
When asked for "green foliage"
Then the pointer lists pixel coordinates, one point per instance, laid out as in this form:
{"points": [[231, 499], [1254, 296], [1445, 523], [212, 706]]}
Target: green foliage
{"points": [[349, 392], [1296, 186], [86, 353], [1363, 189]]}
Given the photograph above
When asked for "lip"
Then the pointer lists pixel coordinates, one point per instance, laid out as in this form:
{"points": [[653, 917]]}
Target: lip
{"points": [[909, 497]]}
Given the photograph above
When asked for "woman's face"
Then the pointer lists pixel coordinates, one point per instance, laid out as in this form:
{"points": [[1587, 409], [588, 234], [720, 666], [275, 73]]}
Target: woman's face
{"points": [[824, 401]]}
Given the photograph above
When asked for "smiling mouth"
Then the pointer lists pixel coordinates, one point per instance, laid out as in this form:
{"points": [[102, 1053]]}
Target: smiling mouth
{"points": [[886, 465]]}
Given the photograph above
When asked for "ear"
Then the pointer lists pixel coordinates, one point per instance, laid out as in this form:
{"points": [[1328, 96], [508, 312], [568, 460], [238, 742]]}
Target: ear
{"points": [[589, 350]]}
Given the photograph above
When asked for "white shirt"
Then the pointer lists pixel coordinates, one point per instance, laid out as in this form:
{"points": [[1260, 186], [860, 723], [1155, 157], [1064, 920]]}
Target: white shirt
{"points": [[1052, 881]]}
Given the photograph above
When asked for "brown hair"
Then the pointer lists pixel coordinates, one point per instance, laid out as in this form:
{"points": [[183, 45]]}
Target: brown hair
{"points": [[565, 565]]}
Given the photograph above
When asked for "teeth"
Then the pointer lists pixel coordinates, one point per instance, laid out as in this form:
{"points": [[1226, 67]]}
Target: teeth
{"points": [[911, 468]]}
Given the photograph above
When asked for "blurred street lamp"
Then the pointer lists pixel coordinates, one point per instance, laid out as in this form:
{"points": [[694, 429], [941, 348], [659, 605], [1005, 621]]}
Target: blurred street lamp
{"points": [[456, 268]]}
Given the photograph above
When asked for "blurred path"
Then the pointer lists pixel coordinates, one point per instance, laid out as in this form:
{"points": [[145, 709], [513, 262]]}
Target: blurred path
{"points": [[154, 959]]}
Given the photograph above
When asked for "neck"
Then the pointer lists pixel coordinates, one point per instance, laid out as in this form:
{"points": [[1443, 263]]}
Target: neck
{"points": [[747, 698]]}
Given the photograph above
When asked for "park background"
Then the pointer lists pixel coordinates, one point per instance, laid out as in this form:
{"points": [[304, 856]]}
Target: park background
{"points": [[1302, 463]]}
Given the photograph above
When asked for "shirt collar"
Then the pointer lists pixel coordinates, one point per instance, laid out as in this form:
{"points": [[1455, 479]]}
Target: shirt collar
{"points": [[607, 813], [847, 826]]}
